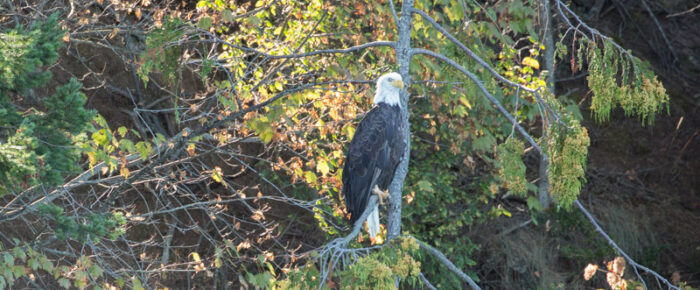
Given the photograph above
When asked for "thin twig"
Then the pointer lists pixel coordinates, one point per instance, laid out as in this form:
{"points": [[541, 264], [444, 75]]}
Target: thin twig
{"points": [[684, 12], [661, 30]]}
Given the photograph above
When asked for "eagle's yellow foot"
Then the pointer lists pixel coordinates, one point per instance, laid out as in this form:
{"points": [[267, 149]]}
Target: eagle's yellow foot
{"points": [[381, 194]]}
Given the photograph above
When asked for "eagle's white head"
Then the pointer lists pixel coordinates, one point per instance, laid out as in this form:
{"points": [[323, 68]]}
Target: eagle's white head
{"points": [[388, 89]]}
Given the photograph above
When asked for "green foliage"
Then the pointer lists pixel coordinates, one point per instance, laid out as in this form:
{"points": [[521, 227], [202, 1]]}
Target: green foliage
{"points": [[161, 53], [35, 146], [380, 269], [24, 261], [92, 228], [301, 278], [511, 168], [618, 78], [567, 149], [23, 52], [377, 270], [452, 182]]}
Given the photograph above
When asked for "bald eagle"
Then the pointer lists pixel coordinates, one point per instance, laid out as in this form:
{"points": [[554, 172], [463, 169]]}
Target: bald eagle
{"points": [[374, 152]]}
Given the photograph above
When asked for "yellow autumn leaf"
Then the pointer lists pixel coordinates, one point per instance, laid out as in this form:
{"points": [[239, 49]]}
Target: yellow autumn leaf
{"points": [[195, 256], [531, 62], [124, 172], [465, 102], [322, 167]]}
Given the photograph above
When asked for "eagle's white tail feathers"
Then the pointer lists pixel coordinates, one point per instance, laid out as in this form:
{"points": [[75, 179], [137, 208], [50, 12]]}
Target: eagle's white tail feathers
{"points": [[373, 222]]}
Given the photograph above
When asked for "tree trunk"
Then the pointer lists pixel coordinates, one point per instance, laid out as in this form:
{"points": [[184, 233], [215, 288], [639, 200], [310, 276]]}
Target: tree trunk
{"points": [[403, 58], [548, 39]]}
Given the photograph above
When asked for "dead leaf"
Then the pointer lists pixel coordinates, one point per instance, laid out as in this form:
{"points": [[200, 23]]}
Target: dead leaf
{"points": [[675, 278], [590, 271]]}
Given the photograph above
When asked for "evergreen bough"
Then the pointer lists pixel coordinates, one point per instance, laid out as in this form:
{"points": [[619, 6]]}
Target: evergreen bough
{"points": [[37, 146]]}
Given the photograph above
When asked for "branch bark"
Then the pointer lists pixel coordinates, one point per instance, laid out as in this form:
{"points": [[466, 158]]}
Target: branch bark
{"points": [[445, 261], [547, 34], [403, 57], [631, 262]]}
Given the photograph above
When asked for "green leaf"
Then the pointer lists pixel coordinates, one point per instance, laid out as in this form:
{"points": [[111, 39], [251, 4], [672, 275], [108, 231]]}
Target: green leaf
{"points": [[205, 23], [310, 177], [136, 283], [127, 145], [270, 268], [95, 271], [426, 186], [533, 203], [9, 260], [100, 137], [19, 253], [144, 149], [227, 15], [63, 282], [18, 271], [216, 176], [122, 131], [33, 263], [46, 264], [484, 143]]}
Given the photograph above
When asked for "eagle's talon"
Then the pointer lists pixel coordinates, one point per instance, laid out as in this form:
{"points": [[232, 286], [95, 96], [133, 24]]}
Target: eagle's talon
{"points": [[381, 194]]}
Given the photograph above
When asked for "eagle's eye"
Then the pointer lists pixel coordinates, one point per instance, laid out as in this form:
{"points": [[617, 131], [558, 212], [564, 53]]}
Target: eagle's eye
{"points": [[390, 80]]}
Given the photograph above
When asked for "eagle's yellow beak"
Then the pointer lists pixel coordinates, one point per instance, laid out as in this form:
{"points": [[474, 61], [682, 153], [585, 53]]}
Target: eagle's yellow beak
{"points": [[398, 84]]}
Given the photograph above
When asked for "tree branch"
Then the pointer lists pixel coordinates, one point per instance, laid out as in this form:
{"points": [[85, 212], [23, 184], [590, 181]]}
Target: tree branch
{"points": [[445, 261], [300, 55], [594, 32], [333, 251], [426, 282], [483, 63], [403, 58], [393, 11], [661, 30], [488, 95], [634, 264]]}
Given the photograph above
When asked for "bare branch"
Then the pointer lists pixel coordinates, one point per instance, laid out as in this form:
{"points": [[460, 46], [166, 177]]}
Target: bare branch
{"points": [[684, 12], [393, 11], [426, 282], [403, 59], [634, 264], [661, 30], [445, 261], [300, 55], [594, 32]]}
